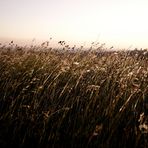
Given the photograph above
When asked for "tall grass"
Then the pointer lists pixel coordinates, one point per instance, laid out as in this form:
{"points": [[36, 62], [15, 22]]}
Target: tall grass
{"points": [[64, 98]]}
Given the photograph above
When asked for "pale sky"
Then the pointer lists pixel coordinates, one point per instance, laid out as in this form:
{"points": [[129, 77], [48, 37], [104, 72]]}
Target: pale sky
{"points": [[118, 23]]}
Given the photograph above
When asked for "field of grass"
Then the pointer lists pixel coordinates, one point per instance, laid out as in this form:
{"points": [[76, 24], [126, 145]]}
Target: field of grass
{"points": [[63, 98]]}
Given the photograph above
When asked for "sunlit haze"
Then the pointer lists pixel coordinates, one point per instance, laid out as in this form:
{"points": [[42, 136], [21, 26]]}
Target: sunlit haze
{"points": [[118, 23]]}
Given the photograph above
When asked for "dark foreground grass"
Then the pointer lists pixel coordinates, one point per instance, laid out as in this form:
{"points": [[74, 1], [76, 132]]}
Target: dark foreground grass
{"points": [[51, 98]]}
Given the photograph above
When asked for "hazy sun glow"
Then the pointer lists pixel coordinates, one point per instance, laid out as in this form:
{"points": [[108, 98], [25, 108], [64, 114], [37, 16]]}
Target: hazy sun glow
{"points": [[121, 23]]}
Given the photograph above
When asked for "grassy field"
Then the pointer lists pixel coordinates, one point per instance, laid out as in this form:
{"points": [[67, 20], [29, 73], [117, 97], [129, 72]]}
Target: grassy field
{"points": [[73, 98]]}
